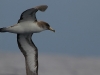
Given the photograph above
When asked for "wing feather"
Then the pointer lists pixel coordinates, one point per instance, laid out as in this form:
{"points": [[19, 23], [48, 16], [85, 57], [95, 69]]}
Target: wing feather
{"points": [[30, 14]]}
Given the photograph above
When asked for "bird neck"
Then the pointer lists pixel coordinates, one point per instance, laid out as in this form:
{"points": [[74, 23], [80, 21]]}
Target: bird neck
{"points": [[30, 53]]}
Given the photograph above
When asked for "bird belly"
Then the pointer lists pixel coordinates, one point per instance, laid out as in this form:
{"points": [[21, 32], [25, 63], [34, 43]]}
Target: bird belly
{"points": [[31, 27]]}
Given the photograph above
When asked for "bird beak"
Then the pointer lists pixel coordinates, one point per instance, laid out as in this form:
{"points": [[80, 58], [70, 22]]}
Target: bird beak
{"points": [[51, 29]]}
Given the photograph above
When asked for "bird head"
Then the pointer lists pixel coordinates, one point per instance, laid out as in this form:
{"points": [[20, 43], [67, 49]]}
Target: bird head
{"points": [[45, 26]]}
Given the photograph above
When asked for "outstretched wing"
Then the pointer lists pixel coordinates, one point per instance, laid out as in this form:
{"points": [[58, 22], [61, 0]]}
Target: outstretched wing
{"points": [[30, 14], [30, 53]]}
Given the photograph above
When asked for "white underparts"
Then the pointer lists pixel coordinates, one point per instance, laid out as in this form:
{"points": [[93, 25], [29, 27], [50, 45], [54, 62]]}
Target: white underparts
{"points": [[30, 50], [24, 27]]}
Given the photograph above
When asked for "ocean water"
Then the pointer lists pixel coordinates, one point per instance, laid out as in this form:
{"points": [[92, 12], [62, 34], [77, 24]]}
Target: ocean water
{"points": [[13, 64]]}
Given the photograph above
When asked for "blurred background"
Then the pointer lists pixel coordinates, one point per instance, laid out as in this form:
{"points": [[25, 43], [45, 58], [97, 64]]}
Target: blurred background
{"points": [[72, 50]]}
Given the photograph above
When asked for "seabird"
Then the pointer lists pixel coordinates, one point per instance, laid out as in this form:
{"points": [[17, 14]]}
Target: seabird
{"points": [[26, 26]]}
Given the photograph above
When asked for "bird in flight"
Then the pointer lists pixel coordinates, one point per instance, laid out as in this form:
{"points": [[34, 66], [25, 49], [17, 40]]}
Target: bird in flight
{"points": [[26, 26]]}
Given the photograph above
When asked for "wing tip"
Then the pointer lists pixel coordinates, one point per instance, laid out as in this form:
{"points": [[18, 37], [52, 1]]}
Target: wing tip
{"points": [[42, 7]]}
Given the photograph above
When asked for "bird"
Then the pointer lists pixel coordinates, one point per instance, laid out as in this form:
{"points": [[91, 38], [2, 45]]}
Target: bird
{"points": [[26, 26]]}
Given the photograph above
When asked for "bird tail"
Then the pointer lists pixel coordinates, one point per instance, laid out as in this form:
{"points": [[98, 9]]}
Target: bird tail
{"points": [[3, 29]]}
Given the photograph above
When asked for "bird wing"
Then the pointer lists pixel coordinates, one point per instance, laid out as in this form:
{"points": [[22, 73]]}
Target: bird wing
{"points": [[31, 13], [30, 53]]}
